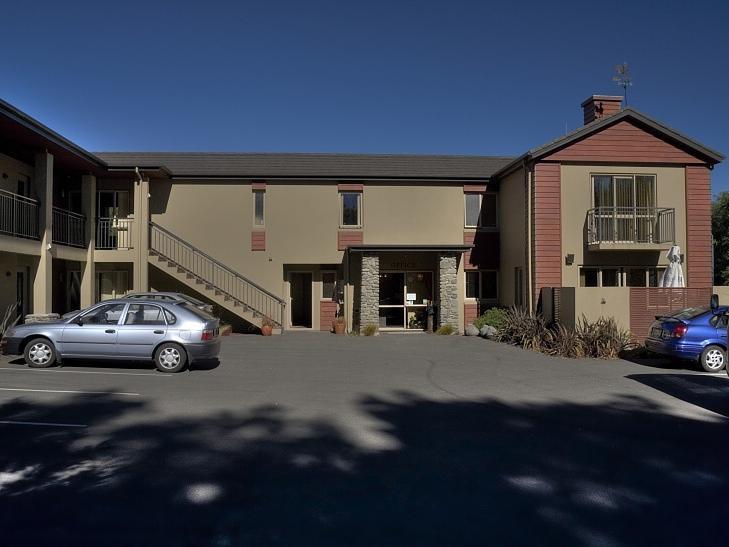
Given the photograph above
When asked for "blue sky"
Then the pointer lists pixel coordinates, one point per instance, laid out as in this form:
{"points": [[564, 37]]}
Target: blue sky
{"points": [[449, 77]]}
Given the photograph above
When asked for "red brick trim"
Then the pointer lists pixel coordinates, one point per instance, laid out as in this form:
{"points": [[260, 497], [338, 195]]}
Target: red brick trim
{"points": [[624, 142], [486, 249], [699, 266], [547, 227], [345, 238], [327, 313], [474, 188], [258, 185], [258, 240], [470, 312], [350, 187]]}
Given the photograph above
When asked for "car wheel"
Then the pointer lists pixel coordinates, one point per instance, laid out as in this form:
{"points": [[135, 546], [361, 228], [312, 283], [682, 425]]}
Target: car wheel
{"points": [[170, 357], [39, 353], [713, 359]]}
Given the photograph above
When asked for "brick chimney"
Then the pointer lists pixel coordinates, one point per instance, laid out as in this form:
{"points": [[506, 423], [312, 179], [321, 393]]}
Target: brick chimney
{"points": [[599, 106]]}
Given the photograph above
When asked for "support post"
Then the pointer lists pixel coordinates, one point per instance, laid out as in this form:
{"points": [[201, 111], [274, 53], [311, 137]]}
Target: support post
{"points": [[88, 274], [141, 224], [43, 271]]}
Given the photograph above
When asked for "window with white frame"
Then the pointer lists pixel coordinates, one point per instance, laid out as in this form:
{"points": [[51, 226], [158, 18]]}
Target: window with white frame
{"points": [[480, 210], [350, 206], [482, 285], [259, 201], [624, 276]]}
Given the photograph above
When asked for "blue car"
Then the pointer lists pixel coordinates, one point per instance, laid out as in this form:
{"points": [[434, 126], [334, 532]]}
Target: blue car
{"points": [[698, 334]]}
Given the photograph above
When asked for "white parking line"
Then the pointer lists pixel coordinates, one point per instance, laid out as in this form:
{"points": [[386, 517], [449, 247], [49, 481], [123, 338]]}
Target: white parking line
{"points": [[69, 391], [47, 424], [34, 370]]}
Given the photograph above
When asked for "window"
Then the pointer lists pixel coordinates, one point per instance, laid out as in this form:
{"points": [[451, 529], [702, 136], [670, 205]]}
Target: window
{"points": [[351, 214], [624, 191], [518, 287], [482, 285], [144, 314], [259, 197], [481, 210], [107, 314], [328, 285], [171, 319], [631, 276], [112, 284]]}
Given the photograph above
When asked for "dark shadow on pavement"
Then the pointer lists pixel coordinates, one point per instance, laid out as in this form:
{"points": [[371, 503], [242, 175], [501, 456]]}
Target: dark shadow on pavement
{"points": [[658, 361], [708, 392], [204, 364], [452, 473]]}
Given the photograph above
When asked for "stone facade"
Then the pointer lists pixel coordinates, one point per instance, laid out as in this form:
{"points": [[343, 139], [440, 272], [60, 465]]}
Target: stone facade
{"points": [[448, 290], [369, 311]]}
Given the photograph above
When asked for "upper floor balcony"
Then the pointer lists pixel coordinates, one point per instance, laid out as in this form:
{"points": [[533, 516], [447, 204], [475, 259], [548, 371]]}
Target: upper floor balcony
{"points": [[631, 228], [113, 233], [68, 228], [19, 215]]}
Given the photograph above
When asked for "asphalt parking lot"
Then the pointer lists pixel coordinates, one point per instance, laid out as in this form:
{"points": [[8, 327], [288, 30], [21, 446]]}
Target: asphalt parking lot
{"points": [[312, 439]]}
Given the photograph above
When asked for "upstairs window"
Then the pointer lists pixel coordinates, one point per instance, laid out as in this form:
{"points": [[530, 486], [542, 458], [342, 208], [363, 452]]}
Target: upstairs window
{"points": [[259, 199], [481, 210], [624, 191], [350, 209]]}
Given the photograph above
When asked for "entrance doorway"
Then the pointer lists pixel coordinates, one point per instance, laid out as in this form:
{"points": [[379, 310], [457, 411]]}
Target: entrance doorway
{"points": [[300, 295], [404, 299]]}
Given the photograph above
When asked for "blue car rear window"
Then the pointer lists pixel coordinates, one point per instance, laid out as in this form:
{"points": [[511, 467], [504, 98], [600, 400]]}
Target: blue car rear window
{"points": [[689, 313]]}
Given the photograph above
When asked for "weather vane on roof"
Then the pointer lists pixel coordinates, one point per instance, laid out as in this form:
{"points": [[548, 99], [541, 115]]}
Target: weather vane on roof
{"points": [[623, 79]]}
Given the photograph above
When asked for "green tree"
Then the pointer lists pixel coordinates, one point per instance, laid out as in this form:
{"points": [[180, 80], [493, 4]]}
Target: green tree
{"points": [[720, 231]]}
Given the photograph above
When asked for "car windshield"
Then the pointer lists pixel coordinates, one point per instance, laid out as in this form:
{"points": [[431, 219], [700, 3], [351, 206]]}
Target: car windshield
{"points": [[202, 314], [689, 313]]}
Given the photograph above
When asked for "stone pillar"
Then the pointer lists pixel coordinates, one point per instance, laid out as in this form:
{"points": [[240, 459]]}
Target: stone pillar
{"points": [[141, 236], [43, 271], [369, 311], [88, 274], [448, 290]]}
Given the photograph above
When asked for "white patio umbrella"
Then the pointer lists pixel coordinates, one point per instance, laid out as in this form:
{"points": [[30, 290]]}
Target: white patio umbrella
{"points": [[673, 275]]}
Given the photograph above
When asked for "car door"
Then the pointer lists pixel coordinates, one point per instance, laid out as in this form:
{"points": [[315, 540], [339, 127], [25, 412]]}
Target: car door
{"points": [[142, 329], [95, 332], [722, 322]]}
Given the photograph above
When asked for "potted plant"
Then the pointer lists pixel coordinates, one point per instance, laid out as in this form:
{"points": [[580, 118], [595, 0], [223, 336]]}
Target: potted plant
{"points": [[267, 327], [339, 325]]}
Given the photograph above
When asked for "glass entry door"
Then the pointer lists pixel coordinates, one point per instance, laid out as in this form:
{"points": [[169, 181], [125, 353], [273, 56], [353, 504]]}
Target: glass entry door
{"points": [[404, 298]]}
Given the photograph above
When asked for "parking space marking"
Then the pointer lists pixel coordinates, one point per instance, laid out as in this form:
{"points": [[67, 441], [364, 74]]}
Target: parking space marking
{"points": [[34, 370], [70, 391], [46, 424]]}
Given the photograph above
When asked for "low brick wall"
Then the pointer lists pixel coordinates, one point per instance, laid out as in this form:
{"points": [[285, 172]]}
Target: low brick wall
{"points": [[647, 302]]}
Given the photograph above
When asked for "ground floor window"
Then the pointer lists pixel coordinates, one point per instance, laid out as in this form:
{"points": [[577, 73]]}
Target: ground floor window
{"points": [[482, 285], [404, 299], [113, 284], [624, 276]]}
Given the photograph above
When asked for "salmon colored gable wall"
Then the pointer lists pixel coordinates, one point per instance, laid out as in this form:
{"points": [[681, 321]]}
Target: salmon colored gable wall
{"points": [[624, 142], [546, 227], [699, 257]]}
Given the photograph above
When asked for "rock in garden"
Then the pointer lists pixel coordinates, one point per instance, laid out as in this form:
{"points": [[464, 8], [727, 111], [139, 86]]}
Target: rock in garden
{"points": [[487, 331], [471, 331]]}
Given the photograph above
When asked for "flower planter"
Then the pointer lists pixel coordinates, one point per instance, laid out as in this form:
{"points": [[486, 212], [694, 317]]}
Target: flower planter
{"points": [[339, 327], [266, 330]]}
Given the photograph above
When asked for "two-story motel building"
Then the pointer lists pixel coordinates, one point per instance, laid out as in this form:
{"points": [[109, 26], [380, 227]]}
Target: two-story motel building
{"points": [[588, 217]]}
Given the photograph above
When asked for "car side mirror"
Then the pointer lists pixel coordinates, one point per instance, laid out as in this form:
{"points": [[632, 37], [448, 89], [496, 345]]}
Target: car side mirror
{"points": [[714, 302], [81, 321]]}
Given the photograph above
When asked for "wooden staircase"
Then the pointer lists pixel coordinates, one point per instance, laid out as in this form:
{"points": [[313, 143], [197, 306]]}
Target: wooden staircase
{"points": [[209, 277]]}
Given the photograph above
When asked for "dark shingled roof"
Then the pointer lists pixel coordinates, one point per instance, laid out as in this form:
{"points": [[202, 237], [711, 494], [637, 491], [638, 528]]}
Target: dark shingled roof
{"points": [[303, 166]]}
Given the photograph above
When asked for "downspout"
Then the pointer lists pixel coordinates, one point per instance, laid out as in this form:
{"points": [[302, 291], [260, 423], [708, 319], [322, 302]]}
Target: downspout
{"points": [[528, 184]]}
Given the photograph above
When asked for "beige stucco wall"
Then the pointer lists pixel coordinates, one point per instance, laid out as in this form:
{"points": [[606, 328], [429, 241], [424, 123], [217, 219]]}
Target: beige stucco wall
{"points": [[414, 214], [594, 303], [576, 199], [512, 222], [723, 292], [301, 223], [12, 168]]}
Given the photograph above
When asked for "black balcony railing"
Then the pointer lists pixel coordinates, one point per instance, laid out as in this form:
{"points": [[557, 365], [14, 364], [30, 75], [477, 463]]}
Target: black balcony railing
{"points": [[114, 233], [69, 228], [18, 215], [631, 225]]}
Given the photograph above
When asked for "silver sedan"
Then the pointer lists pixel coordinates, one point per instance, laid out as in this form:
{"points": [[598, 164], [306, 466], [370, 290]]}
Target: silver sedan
{"points": [[173, 334]]}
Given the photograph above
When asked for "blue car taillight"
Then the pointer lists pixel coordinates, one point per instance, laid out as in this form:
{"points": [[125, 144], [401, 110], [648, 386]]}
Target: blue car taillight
{"points": [[679, 330]]}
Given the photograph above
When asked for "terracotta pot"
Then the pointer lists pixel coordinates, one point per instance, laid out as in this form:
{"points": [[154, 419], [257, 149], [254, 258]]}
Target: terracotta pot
{"points": [[339, 327], [266, 330]]}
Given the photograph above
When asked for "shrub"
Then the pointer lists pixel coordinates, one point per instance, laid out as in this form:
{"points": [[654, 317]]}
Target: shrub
{"points": [[370, 330], [445, 330], [602, 338], [494, 317], [267, 322]]}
